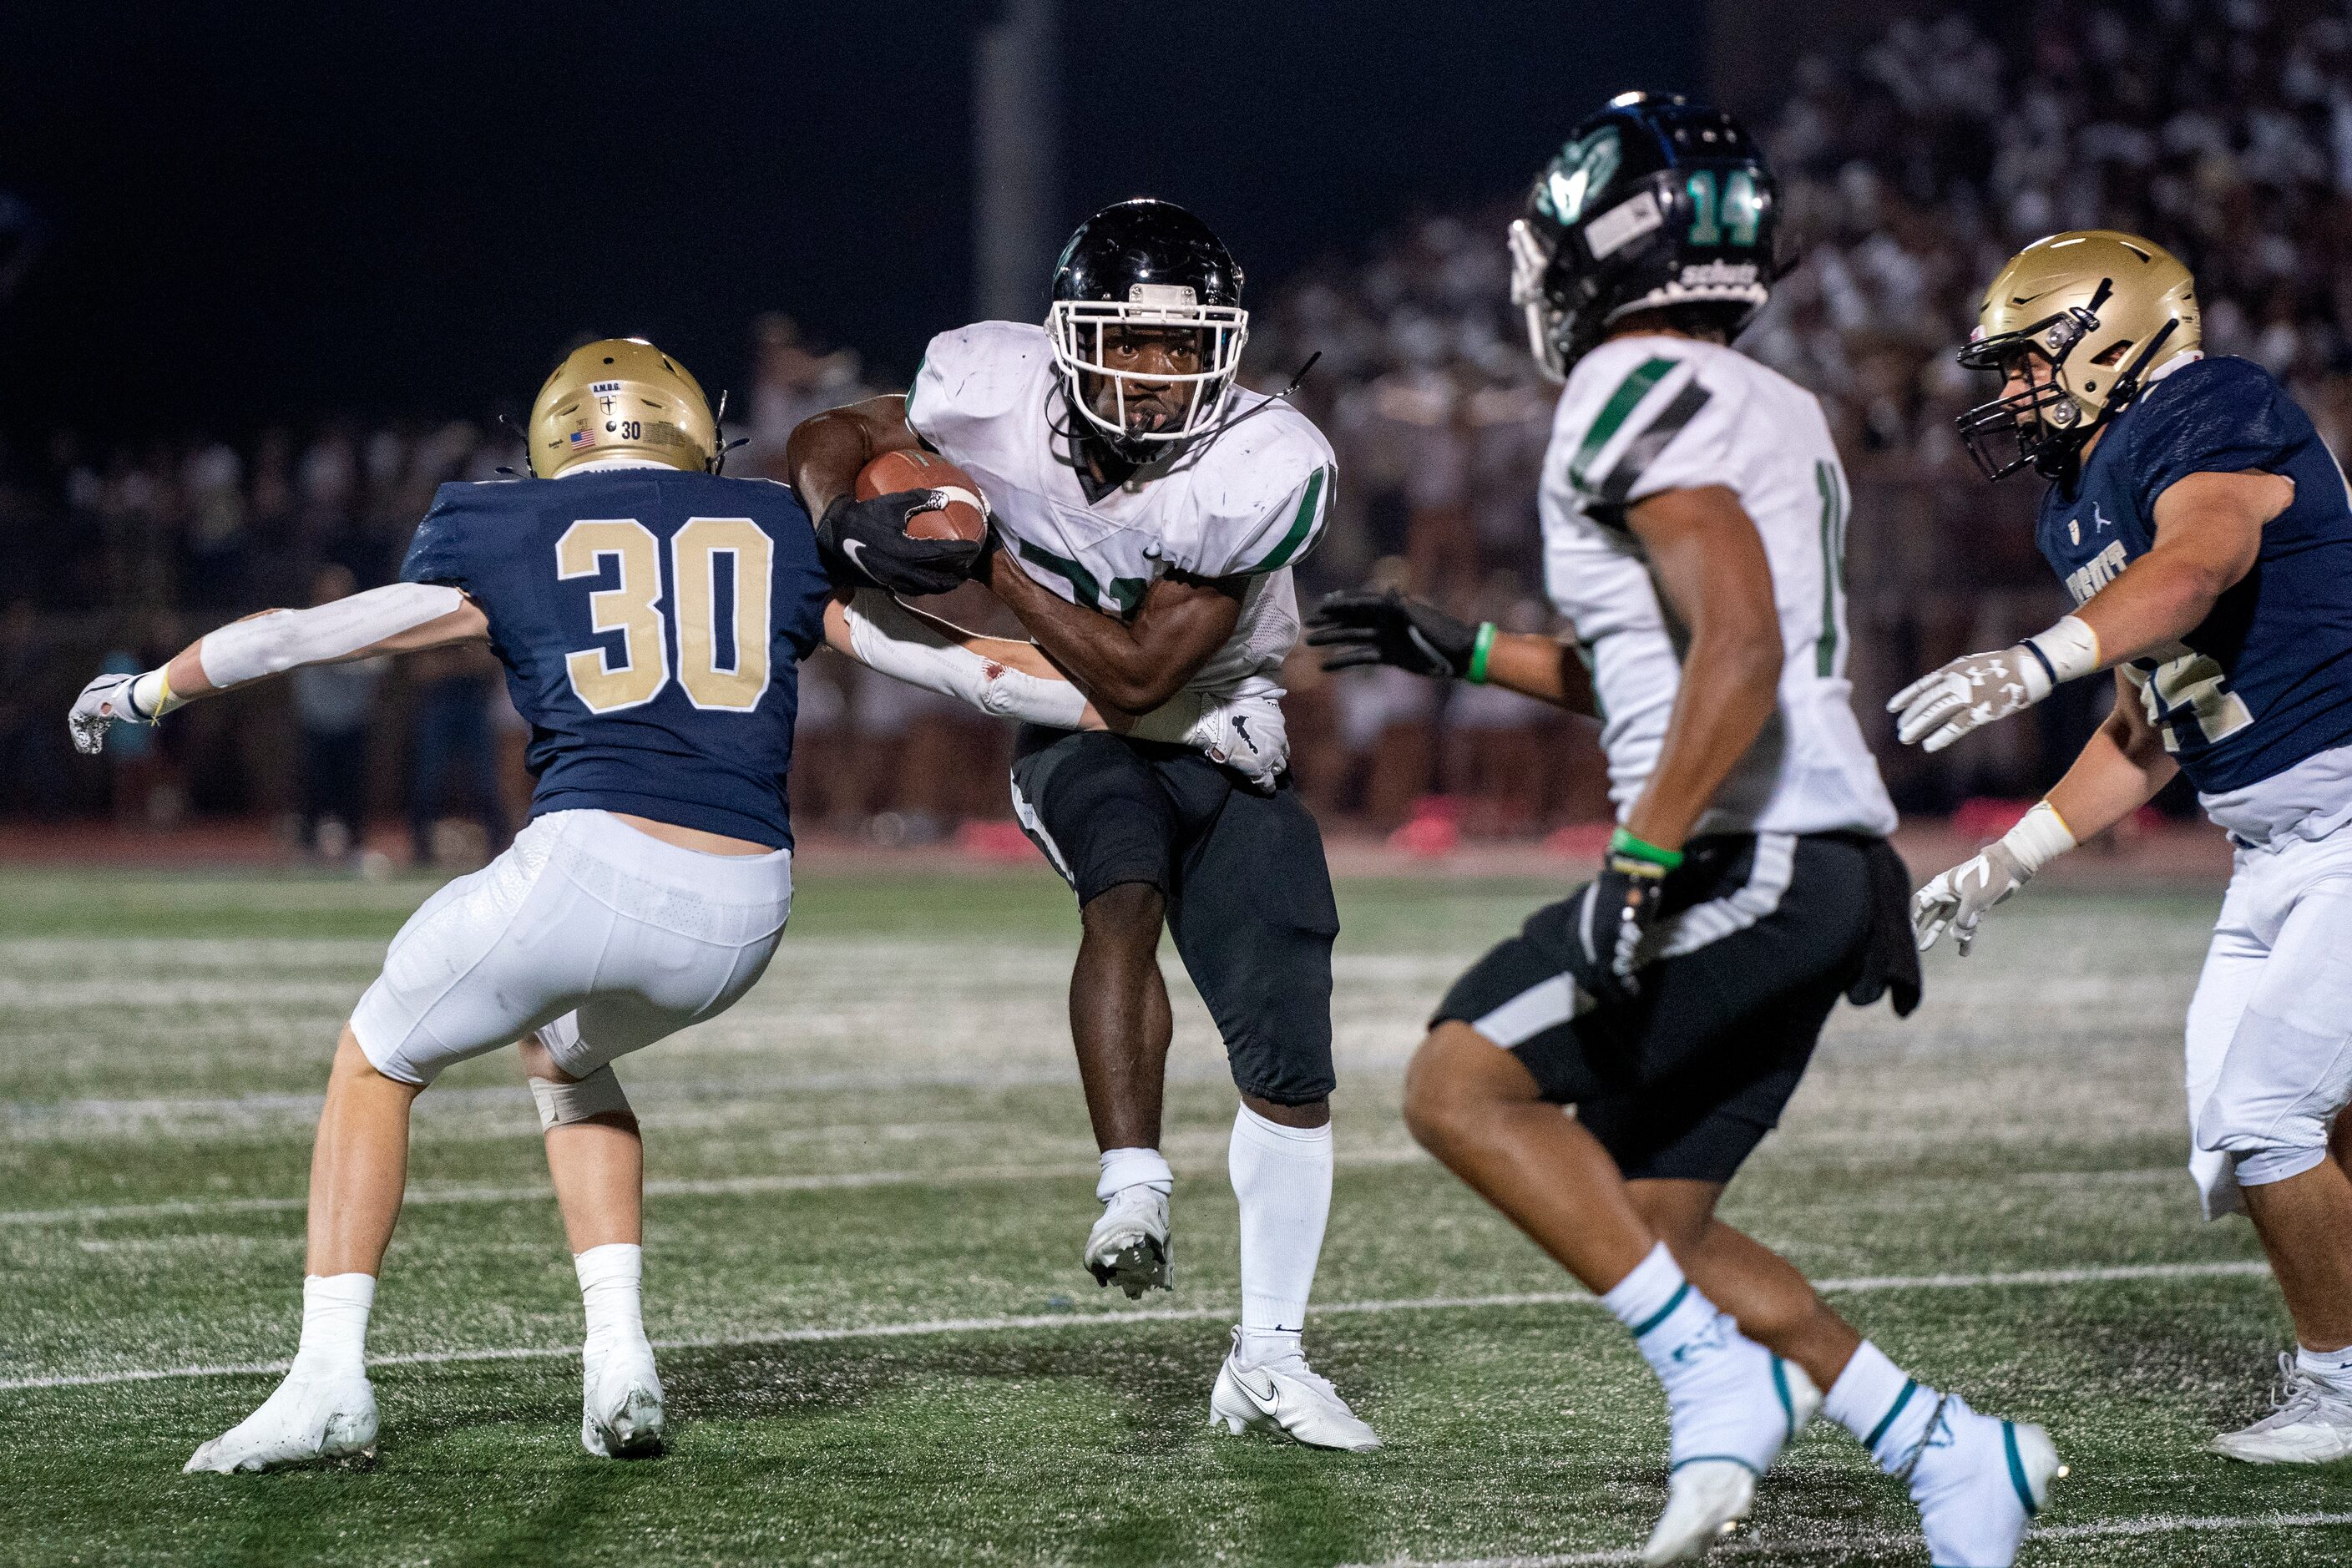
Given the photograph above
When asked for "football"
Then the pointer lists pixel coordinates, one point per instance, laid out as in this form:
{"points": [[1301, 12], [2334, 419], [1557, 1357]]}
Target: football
{"points": [[964, 516]]}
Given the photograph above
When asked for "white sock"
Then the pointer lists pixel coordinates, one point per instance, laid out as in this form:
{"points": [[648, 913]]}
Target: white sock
{"points": [[1282, 1177], [1726, 1396], [335, 1310], [611, 1280], [2332, 1367], [1134, 1168], [1663, 1312], [1888, 1411]]}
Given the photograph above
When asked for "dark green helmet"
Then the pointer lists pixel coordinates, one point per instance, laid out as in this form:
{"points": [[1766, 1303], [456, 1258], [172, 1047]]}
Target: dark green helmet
{"points": [[1654, 201]]}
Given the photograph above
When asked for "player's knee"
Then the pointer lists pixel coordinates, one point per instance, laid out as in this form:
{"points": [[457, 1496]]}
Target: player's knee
{"points": [[2265, 1137], [352, 1065], [572, 1103], [1453, 1088], [1127, 913]]}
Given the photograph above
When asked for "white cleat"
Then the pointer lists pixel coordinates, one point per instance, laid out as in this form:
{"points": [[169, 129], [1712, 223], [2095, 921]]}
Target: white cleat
{"points": [[2311, 1425], [310, 1417], [1711, 1491], [621, 1403], [1706, 1500], [1977, 1482], [1128, 1245], [1285, 1396]]}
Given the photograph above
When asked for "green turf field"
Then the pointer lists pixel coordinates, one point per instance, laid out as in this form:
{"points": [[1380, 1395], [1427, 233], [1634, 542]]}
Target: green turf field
{"points": [[870, 1183]]}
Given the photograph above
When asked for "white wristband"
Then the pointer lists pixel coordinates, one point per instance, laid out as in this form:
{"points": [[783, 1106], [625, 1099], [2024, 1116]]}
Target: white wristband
{"points": [[2040, 837], [152, 695], [2069, 651]]}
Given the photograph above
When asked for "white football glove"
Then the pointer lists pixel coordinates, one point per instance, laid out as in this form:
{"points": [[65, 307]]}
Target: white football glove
{"points": [[1978, 687], [1959, 898], [1973, 689], [104, 701], [1248, 737]]}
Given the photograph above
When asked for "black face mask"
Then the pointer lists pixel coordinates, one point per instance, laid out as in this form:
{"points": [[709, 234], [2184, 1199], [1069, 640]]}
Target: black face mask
{"points": [[2041, 426]]}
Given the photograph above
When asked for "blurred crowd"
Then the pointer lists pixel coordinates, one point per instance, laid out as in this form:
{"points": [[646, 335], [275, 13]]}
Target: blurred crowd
{"points": [[1911, 166]]}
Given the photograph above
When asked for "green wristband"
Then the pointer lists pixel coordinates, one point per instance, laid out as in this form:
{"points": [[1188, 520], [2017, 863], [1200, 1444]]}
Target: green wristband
{"points": [[1480, 647], [1623, 843]]}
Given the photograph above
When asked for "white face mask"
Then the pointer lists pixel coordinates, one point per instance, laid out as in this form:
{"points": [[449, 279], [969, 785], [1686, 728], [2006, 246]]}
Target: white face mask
{"points": [[1080, 330], [1530, 261]]}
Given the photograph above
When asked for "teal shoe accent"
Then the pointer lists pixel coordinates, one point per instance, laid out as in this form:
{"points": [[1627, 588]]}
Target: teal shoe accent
{"points": [[2017, 1470]]}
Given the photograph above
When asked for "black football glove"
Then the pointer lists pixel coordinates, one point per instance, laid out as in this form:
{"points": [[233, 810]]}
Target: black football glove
{"points": [[1625, 901], [1413, 634], [865, 544]]}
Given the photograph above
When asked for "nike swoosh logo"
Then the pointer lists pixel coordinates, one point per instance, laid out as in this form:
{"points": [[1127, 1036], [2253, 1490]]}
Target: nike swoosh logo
{"points": [[2025, 298], [1270, 1397], [857, 553]]}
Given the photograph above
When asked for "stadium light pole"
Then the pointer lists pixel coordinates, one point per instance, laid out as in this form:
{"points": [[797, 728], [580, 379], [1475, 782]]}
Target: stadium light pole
{"points": [[1016, 162]]}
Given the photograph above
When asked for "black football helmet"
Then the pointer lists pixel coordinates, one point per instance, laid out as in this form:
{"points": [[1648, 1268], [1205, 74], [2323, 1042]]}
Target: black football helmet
{"points": [[1147, 263], [1654, 201]]}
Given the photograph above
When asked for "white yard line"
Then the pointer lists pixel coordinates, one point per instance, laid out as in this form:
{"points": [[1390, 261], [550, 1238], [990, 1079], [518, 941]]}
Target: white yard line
{"points": [[709, 1187], [1119, 1318], [1759, 1550], [2107, 1529], [720, 1186]]}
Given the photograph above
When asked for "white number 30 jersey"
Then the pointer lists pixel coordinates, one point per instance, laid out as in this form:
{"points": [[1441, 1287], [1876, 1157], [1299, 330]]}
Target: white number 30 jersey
{"points": [[1645, 414], [1248, 499]]}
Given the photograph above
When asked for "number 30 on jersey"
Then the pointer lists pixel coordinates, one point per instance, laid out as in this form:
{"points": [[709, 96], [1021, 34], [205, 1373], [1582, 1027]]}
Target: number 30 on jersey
{"points": [[720, 568]]}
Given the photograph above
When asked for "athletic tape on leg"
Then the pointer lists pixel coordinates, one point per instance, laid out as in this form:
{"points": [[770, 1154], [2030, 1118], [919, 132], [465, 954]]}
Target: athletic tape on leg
{"points": [[598, 1094]]}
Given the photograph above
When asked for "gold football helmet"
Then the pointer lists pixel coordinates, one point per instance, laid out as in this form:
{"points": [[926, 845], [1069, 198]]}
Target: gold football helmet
{"points": [[622, 398], [2080, 318]]}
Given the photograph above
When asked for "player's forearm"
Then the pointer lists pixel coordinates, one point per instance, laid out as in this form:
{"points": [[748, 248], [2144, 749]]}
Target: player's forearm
{"points": [[1115, 668], [825, 453], [2119, 771], [2159, 599], [405, 617], [998, 676], [1730, 687], [1541, 667]]}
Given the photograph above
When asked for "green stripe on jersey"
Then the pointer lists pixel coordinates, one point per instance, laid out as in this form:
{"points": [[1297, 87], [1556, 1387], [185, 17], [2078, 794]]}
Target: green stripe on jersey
{"points": [[1301, 526], [908, 413], [1630, 392], [1643, 448], [1825, 477]]}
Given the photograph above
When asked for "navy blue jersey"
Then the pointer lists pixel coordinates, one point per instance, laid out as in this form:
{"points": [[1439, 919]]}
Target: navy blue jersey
{"points": [[2266, 680], [652, 623]]}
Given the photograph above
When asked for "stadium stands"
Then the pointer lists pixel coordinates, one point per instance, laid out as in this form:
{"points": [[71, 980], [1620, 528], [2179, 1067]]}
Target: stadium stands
{"points": [[1911, 166]]}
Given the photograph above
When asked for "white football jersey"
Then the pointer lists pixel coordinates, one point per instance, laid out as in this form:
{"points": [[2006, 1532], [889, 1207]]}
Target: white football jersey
{"points": [[1648, 414], [1250, 499]]}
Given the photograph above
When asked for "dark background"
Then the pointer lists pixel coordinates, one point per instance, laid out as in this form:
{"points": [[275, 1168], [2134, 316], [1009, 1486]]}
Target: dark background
{"points": [[263, 210]]}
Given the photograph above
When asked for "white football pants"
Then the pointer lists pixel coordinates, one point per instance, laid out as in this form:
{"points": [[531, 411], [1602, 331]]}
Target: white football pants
{"points": [[593, 936], [2270, 1029]]}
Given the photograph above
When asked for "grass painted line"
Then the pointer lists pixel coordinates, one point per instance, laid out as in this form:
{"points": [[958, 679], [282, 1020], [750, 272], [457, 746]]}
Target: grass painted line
{"points": [[52, 1120], [2231, 1268], [1756, 1550], [683, 1187]]}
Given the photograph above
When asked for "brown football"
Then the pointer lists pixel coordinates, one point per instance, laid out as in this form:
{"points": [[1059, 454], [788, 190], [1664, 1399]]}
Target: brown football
{"points": [[916, 470]]}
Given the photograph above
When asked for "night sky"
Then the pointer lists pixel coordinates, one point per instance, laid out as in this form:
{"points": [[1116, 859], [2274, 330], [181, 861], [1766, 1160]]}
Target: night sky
{"points": [[256, 213]]}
